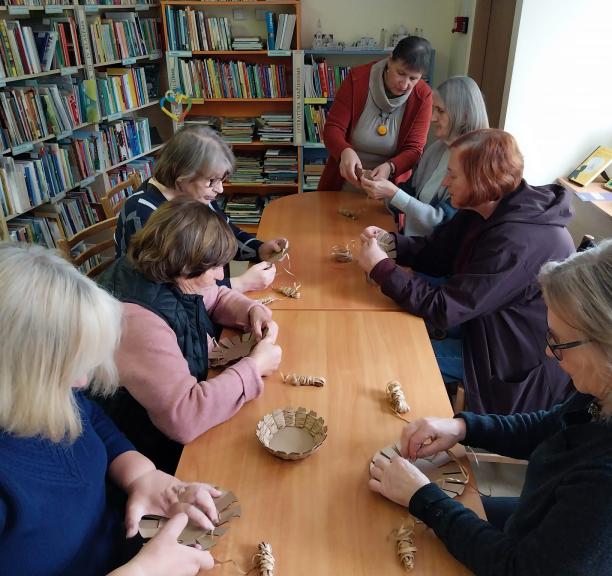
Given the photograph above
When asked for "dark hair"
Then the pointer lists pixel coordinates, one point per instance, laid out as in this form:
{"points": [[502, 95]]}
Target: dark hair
{"points": [[414, 52], [492, 164], [182, 238]]}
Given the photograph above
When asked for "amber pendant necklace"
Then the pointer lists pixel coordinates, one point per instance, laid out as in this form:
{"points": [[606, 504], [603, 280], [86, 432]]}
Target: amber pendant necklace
{"points": [[382, 127]]}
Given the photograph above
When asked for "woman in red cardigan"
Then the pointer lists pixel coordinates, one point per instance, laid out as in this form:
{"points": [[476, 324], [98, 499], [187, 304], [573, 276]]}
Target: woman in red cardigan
{"points": [[380, 118]]}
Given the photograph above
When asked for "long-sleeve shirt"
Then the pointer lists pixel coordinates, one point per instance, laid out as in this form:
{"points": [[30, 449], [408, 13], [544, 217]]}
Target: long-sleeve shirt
{"points": [[563, 523], [154, 371], [54, 516]]}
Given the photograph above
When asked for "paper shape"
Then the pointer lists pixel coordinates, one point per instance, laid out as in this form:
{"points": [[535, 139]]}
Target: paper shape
{"points": [[232, 349]]}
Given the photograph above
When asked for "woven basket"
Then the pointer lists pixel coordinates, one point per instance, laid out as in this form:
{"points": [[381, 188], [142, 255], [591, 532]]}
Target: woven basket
{"points": [[291, 434]]}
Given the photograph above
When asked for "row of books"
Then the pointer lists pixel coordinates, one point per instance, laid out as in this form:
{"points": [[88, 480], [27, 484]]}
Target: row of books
{"points": [[312, 173], [38, 48], [314, 122], [269, 127], [211, 78], [124, 139], [285, 26], [122, 89], [121, 35], [322, 80], [190, 29], [69, 2], [52, 106], [143, 167], [274, 166]]}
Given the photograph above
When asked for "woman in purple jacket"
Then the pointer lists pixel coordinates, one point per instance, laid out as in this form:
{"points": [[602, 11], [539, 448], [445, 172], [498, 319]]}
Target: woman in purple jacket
{"points": [[481, 297]]}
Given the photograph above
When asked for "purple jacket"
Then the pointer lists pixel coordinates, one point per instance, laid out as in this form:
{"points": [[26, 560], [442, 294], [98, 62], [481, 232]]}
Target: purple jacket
{"points": [[492, 290]]}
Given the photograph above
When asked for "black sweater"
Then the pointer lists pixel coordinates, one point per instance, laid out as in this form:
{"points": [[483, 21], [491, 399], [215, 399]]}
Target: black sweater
{"points": [[563, 523]]}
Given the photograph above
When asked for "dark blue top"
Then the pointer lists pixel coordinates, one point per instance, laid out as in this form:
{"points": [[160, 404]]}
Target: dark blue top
{"points": [[563, 523], [54, 515], [137, 209]]}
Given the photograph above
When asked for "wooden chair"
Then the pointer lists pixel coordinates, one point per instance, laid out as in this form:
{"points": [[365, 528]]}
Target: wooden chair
{"points": [[115, 197], [98, 241]]}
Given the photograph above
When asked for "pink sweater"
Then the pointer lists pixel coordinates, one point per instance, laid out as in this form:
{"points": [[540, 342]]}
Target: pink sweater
{"points": [[154, 371]]}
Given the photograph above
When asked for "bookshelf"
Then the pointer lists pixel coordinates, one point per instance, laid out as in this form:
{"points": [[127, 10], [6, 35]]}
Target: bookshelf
{"points": [[218, 53], [79, 110]]}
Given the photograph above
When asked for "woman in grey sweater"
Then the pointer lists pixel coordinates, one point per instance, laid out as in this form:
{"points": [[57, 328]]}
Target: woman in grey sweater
{"points": [[458, 108]]}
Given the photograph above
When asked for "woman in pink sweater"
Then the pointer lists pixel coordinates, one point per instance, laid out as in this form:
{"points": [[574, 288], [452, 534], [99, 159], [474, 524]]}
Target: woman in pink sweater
{"points": [[171, 302]]}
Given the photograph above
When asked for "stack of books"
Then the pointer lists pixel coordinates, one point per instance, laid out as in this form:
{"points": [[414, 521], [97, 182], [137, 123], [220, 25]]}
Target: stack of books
{"points": [[210, 121], [247, 43], [237, 130], [280, 166], [312, 174], [248, 170], [244, 209], [275, 127]]}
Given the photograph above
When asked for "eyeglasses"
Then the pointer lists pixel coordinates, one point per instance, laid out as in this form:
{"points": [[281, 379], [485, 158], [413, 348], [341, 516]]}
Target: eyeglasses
{"points": [[216, 181], [556, 347]]}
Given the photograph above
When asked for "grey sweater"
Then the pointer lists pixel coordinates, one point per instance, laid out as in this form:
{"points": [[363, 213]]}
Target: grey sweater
{"points": [[563, 523]]}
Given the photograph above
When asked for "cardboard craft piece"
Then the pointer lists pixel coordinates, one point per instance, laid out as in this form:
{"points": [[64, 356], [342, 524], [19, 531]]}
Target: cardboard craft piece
{"points": [[291, 434], [279, 255], [361, 173], [191, 535], [442, 469], [232, 349], [387, 243], [290, 291]]}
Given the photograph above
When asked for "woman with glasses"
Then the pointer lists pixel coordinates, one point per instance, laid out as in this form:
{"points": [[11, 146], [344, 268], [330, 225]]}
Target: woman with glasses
{"points": [[380, 118], [194, 163], [171, 304], [561, 524], [474, 279]]}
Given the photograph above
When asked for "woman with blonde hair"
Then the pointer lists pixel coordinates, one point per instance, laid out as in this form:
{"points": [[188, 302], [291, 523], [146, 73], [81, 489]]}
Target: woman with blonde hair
{"points": [[167, 284], [560, 524], [59, 332], [474, 280], [423, 202], [194, 163]]}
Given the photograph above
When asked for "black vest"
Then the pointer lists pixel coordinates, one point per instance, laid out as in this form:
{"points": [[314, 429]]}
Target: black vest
{"points": [[187, 316]]}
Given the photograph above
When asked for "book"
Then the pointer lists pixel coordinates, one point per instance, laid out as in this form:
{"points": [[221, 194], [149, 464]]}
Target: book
{"points": [[270, 29], [592, 166]]}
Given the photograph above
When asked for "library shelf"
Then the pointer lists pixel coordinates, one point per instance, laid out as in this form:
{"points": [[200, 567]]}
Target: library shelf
{"points": [[147, 153], [119, 114]]}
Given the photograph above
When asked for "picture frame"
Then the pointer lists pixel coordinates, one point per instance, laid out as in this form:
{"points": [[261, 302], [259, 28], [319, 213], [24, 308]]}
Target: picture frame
{"points": [[592, 166]]}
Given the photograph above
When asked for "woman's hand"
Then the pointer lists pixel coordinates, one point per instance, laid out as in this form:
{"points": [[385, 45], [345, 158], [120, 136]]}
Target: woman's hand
{"points": [[349, 162], [163, 555], [371, 254], [428, 436], [271, 247], [156, 492], [257, 277], [266, 354], [259, 319], [382, 171], [371, 232], [396, 480], [379, 189]]}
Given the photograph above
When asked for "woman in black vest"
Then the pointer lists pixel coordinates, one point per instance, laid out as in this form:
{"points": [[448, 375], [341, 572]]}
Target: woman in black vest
{"points": [[167, 284]]}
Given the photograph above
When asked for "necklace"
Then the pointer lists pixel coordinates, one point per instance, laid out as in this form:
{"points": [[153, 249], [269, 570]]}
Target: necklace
{"points": [[382, 129]]}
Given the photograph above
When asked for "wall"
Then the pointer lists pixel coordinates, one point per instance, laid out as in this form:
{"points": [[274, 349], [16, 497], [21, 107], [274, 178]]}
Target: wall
{"points": [[460, 43], [349, 20], [558, 103]]}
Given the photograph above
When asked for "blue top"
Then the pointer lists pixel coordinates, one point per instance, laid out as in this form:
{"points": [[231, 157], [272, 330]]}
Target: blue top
{"points": [[54, 516], [562, 525]]}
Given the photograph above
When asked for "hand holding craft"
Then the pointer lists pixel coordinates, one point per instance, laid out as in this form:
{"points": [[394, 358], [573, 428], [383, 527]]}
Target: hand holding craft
{"points": [[395, 479], [371, 254], [164, 555], [156, 492], [379, 189], [382, 171], [371, 232], [257, 277], [428, 436], [269, 250], [259, 318], [349, 162], [266, 354]]}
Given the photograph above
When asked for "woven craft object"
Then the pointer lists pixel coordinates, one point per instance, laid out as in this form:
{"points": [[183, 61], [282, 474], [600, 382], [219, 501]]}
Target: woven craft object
{"points": [[290, 291], [279, 255], [396, 397], [299, 380], [387, 242], [352, 214], [266, 300], [265, 559], [231, 349], [191, 535], [291, 434], [406, 550], [342, 253]]}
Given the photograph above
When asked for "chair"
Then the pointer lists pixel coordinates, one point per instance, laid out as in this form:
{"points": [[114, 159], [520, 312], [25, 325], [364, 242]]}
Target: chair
{"points": [[101, 240], [114, 198]]}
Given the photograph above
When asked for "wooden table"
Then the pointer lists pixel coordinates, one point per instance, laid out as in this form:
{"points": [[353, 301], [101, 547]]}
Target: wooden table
{"points": [[318, 513], [313, 225], [596, 186]]}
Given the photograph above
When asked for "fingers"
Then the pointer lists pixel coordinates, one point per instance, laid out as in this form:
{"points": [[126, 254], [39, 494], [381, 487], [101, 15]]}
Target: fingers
{"points": [[271, 332], [256, 323], [196, 516], [172, 529], [200, 496], [133, 515]]}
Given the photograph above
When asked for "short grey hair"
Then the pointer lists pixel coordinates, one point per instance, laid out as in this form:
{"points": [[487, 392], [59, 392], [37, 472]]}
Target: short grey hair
{"points": [[193, 152], [579, 290], [56, 327], [464, 105]]}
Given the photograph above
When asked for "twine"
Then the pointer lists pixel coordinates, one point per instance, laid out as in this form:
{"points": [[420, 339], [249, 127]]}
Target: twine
{"points": [[406, 550], [299, 380], [397, 400], [343, 253], [290, 291], [262, 561]]}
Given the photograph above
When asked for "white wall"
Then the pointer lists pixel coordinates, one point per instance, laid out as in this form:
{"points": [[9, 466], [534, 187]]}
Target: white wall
{"points": [[460, 44], [349, 20], [560, 91]]}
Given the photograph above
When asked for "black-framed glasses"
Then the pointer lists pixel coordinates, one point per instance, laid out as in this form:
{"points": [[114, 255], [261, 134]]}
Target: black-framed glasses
{"points": [[216, 181], [556, 347]]}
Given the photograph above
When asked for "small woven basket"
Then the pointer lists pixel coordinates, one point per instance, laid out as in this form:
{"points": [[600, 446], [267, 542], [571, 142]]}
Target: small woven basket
{"points": [[291, 434]]}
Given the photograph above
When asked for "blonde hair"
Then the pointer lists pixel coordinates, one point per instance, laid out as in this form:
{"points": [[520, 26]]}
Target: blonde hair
{"points": [[56, 326]]}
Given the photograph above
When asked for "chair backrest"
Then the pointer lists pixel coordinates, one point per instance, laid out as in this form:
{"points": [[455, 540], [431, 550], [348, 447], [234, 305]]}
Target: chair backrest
{"points": [[95, 241], [115, 197]]}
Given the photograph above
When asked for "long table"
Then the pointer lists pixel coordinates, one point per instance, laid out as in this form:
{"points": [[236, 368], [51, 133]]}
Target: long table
{"points": [[318, 513], [313, 225]]}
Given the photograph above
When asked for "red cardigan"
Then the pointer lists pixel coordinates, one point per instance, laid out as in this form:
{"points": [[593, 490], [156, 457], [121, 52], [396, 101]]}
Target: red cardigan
{"points": [[346, 110]]}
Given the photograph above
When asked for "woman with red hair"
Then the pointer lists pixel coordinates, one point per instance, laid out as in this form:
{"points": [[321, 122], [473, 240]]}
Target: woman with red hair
{"points": [[474, 280]]}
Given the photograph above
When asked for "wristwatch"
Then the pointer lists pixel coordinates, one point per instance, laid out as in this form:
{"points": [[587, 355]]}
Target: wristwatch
{"points": [[392, 172]]}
